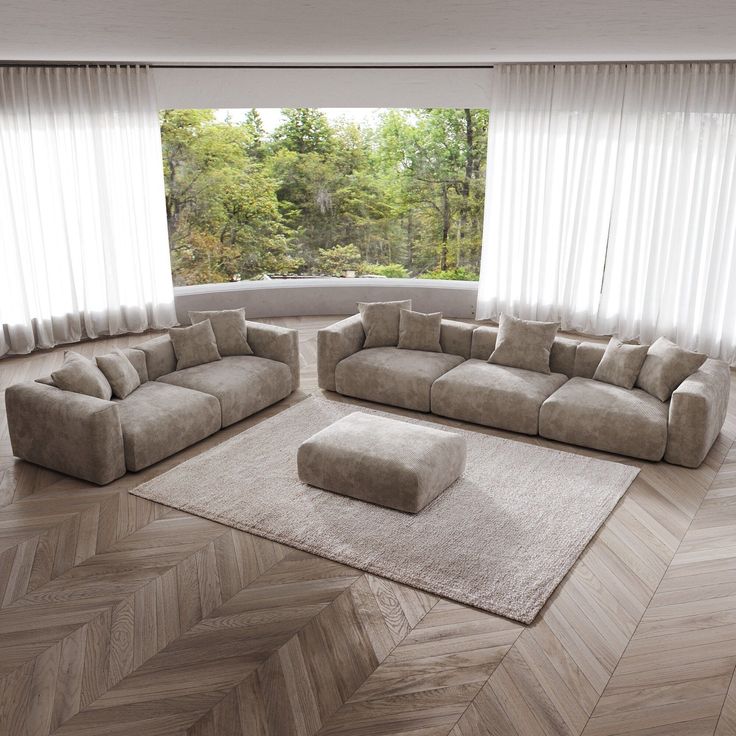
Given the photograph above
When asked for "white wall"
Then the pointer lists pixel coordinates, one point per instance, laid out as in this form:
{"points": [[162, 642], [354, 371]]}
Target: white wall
{"points": [[324, 87], [289, 298]]}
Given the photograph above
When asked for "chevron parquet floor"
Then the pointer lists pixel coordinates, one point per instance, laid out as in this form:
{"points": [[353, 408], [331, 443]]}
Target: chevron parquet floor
{"points": [[121, 616]]}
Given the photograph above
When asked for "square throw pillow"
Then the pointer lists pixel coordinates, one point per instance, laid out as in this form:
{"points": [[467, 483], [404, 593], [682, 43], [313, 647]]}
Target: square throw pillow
{"points": [[522, 343], [381, 322], [120, 373], [621, 363], [418, 331], [194, 345], [82, 376], [666, 366], [230, 328]]}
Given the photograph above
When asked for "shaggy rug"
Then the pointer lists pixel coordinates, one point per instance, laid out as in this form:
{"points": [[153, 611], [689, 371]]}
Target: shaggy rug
{"points": [[501, 538]]}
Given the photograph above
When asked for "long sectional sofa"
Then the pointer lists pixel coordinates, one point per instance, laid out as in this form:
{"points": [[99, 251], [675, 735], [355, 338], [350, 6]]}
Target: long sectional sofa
{"points": [[566, 405], [99, 440]]}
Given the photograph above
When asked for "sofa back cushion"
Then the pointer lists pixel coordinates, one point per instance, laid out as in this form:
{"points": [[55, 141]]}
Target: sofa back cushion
{"points": [[418, 331], [138, 359], [561, 356], [456, 338], [381, 322], [81, 376], [523, 343], [230, 328], [587, 358], [194, 345], [160, 356]]}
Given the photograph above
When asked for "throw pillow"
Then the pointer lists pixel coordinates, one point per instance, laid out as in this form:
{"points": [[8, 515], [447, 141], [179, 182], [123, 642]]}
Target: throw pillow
{"points": [[230, 328], [666, 366], [418, 331], [194, 345], [120, 373], [522, 343], [82, 376], [381, 322], [621, 363]]}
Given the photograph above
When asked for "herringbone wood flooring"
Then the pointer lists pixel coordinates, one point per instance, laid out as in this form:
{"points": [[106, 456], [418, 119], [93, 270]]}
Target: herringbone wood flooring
{"points": [[121, 616]]}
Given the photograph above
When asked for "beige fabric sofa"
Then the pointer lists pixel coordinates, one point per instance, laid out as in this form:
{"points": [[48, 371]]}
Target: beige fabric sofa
{"points": [[565, 405], [99, 440]]}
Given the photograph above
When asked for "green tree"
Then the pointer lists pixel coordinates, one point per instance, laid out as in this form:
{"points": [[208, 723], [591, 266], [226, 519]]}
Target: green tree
{"points": [[337, 260]]}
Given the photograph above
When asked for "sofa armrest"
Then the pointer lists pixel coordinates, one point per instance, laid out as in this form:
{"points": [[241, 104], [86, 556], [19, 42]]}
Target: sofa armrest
{"points": [[697, 413], [75, 434], [276, 343], [335, 343], [456, 337]]}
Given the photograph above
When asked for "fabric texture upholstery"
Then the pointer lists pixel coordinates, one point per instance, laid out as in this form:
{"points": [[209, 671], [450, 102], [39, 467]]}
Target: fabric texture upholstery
{"points": [[243, 384], [160, 356], [418, 331], [621, 363], [587, 358], [385, 461], [456, 337], [280, 344], [138, 359], [697, 410], [81, 376], [230, 328], [666, 366], [194, 345], [335, 343], [159, 419], [606, 417], [381, 322], [120, 373], [393, 376], [494, 395], [524, 344], [69, 432]]}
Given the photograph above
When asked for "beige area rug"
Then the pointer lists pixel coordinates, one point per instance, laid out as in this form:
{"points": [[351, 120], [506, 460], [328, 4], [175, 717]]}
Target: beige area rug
{"points": [[501, 538]]}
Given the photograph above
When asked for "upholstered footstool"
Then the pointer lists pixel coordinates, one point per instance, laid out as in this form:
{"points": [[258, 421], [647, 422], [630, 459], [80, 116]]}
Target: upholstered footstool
{"points": [[384, 461]]}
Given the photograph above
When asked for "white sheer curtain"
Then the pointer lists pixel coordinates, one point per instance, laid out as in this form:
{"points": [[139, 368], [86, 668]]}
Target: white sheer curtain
{"points": [[611, 200], [83, 237]]}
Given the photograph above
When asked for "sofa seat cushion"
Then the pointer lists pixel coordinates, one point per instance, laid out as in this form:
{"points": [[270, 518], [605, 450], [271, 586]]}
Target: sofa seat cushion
{"points": [[393, 376], [494, 395], [243, 384], [606, 417], [158, 420]]}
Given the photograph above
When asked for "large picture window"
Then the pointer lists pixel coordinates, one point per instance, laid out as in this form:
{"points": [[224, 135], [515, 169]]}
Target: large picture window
{"points": [[304, 192]]}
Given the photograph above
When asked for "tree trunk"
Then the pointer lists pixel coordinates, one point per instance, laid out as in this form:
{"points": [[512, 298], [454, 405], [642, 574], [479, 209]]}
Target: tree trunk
{"points": [[445, 226]]}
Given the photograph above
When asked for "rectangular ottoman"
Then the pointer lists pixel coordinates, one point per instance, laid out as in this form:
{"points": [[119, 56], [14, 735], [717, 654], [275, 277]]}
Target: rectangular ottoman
{"points": [[385, 461]]}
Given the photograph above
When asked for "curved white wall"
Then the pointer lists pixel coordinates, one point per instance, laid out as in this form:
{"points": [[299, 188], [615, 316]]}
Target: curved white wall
{"points": [[297, 297]]}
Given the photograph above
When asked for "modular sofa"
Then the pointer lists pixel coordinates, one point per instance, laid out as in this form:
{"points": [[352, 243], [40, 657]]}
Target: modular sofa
{"points": [[566, 405], [99, 440]]}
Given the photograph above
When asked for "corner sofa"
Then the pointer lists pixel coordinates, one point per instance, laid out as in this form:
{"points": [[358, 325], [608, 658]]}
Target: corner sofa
{"points": [[99, 440], [565, 405]]}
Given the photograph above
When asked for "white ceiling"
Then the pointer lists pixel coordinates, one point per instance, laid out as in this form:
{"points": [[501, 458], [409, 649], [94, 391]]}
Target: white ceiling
{"points": [[366, 31]]}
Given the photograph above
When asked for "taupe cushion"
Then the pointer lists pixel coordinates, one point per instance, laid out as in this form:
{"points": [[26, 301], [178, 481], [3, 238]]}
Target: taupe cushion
{"points": [[230, 328], [160, 356], [381, 322], [524, 344], [392, 376], [158, 420], [195, 345], [385, 461], [621, 363], [138, 359], [666, 366], [120, 373], [243, 384], [587, 359], [605, 417], [494, 395], [81, 376], [419, 331]]}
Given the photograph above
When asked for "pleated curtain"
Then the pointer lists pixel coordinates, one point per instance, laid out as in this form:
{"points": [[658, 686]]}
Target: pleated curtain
{"points": [[83, 236], [611, 200]]}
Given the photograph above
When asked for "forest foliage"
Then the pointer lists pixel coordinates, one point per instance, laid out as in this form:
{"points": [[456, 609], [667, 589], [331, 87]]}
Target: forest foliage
{"points": [[400, 198]]}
